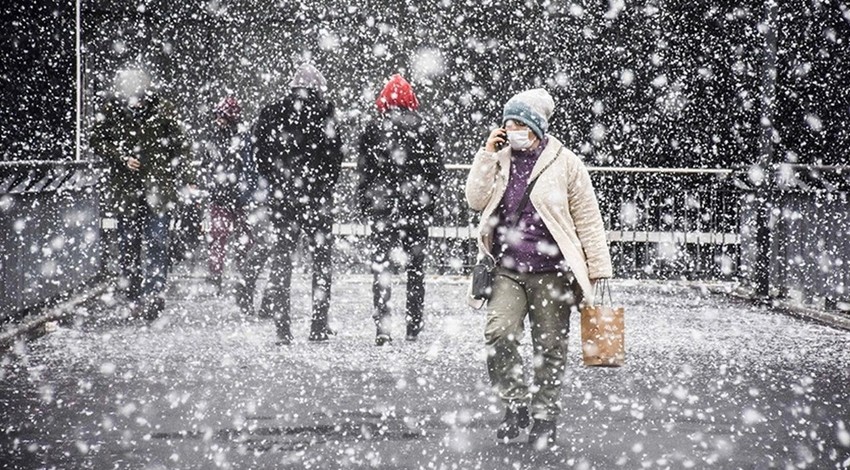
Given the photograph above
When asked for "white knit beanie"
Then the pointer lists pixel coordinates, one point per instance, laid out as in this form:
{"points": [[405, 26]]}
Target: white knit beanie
{"points": [[131, 82], [532, 108], [308, 76]]}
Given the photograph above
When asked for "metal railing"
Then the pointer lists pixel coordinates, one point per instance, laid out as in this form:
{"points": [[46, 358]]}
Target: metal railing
{"points": [[49, 231], [795, 236], [662, 223]]}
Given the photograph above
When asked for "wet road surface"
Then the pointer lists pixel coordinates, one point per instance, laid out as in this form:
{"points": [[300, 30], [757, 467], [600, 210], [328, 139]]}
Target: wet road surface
{"points": [[710, 382]]}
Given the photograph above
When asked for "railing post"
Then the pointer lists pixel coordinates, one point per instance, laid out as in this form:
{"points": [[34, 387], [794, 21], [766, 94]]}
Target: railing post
{"points": [[764, 240], [764, 191]]}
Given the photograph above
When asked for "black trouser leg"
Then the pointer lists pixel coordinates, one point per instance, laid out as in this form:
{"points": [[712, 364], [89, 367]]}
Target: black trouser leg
{"points": [[321, 246], [276, 301], [382, 240], [249, 261], [414, 243], [130, 253]]}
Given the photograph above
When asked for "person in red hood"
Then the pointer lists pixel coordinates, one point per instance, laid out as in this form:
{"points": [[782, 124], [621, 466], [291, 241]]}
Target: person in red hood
{"points": [[399, 169], [230, 179], [397, 95]]}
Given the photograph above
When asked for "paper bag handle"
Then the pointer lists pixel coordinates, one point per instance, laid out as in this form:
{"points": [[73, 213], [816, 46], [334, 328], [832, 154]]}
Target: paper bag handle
{"points": [[599, 289]]}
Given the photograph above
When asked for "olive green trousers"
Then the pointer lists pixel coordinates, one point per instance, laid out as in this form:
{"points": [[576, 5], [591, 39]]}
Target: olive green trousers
{"points": [[547, 299]]}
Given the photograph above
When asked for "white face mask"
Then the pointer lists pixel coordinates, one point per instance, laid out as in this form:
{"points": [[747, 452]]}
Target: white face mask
{"points": [[519, 140]]}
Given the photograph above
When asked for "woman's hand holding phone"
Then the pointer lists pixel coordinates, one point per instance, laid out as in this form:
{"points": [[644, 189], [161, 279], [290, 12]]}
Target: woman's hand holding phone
{"points": [[497, 140]]}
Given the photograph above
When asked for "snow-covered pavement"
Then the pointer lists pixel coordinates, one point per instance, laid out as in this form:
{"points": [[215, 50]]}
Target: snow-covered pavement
{"points": [[709, 383]]}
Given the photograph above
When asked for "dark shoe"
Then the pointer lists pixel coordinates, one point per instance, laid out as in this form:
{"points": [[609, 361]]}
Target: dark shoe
{"points": [[216, 281], [263, 313], [284, 338], [245, 299], [542, 434], [321, 329], [152, 308], [516, 418], [266, 309], [413, 331], [382, 337], [382, 330], [319, 333]]}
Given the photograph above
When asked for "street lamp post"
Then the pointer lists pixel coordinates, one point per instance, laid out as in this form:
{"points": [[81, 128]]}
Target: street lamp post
{"points": [[78, 81]]}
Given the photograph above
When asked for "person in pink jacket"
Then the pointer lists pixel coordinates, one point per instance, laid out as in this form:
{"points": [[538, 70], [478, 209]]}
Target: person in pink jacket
{"points": [[549, 248]]}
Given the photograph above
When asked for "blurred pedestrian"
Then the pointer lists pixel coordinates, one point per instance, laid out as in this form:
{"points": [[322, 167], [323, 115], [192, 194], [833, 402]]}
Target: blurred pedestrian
{"points": [[230, 180], [143, 144], [399, 167], [298, 153], [549, 246]]}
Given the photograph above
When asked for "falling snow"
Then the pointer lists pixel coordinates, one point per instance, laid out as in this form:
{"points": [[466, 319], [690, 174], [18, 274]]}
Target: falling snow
{"points": [[716, 136]]}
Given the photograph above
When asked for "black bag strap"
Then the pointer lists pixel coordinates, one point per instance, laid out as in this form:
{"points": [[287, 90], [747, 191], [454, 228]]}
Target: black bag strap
{"points": [[513, 219]]}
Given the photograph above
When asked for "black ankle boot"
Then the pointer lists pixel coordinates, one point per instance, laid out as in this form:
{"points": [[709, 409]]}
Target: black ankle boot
{"points": [[152, 308], [245, 299], [382, 336], [319, 331], [413, 330], [542, 434], [516, 418], [382, 329], [284, 337]]}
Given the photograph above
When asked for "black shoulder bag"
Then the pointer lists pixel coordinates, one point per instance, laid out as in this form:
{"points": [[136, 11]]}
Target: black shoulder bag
{"points": [[484, 271]]}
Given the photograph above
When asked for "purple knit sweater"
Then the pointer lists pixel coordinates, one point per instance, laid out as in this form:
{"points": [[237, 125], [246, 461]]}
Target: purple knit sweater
{"points": [[529, 247]]}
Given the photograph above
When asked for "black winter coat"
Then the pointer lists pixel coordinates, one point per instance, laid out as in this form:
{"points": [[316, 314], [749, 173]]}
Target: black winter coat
{"points": [[228, 168], [299, 153], [156, 138], [399, 169]]}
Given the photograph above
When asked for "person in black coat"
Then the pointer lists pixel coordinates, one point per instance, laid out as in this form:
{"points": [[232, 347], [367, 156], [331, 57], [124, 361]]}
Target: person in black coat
{"points": [[299, 155], [146, 154], [399, 169]]}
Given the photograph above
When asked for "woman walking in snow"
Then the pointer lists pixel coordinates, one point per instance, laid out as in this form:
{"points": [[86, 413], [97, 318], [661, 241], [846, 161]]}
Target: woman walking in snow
{"points": [[549, 246]]}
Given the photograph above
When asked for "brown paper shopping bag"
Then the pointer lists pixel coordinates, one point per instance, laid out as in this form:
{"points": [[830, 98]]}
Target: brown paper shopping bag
{"points": [[603, 331]]}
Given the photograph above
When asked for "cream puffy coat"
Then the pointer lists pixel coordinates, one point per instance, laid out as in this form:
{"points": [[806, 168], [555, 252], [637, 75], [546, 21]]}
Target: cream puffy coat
{"points": [[564, 199]]}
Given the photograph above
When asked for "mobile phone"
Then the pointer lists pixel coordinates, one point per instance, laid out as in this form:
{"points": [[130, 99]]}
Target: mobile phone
{"points": [[504, 142]]}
